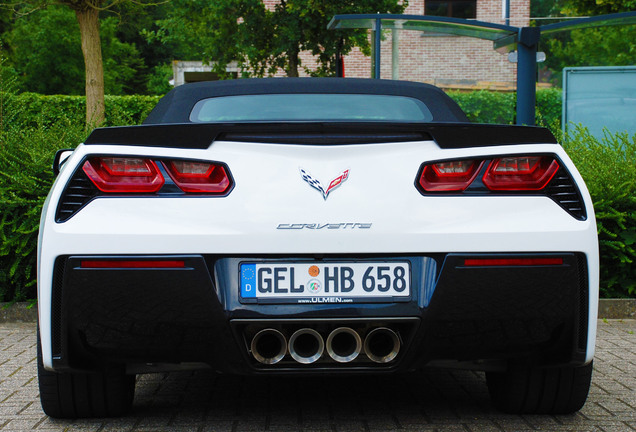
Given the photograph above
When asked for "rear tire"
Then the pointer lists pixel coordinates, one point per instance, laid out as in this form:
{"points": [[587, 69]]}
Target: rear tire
{"points": [[530, 390], [108, 393]]}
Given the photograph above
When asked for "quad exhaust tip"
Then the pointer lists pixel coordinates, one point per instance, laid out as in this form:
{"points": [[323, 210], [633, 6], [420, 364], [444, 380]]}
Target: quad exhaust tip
{"points": [[306, 345], [269, 346], [344, 345], [382, 345]]}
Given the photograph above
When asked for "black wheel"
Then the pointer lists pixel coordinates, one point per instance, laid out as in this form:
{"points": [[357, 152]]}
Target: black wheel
{"points": [[531, 390], [75, 395]]}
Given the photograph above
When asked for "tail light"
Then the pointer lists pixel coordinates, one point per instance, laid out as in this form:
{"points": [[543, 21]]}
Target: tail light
{"points": [[511, 173], [449, 176], [124, 174], [199, 177], [520, 173], [118, 174]]}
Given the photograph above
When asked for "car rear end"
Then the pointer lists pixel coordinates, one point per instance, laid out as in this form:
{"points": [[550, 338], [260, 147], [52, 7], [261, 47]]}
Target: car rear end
{"points": [[270, 214], [319, 249]]}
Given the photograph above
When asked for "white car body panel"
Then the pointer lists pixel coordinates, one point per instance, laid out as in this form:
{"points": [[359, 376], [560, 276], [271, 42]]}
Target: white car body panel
{"points": [[270, 191]]}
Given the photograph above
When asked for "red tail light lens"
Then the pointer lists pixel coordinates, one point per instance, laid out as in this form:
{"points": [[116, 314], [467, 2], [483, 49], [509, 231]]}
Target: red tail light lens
{"points": [[502, 262], [130, 264], [124, 174], [449, 176], [199, 177], [520, 173]]}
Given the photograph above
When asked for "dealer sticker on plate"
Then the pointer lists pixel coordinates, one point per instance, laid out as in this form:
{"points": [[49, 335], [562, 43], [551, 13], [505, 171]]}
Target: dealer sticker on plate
{"points": [[310, 282]]}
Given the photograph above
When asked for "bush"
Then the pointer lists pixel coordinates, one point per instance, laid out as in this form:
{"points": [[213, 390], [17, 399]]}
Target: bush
{"points": [[608, 166], [25, 179], [485, 106], [481, 107], [32, 128], [37, 110]]}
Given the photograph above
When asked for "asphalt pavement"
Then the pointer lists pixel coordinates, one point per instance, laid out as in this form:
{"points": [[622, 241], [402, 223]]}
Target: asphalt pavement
{"points": [[431, 400]]}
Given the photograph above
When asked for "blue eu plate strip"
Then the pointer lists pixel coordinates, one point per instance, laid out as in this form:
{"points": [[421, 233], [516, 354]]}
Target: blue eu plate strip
{"points": [[248, 280]]}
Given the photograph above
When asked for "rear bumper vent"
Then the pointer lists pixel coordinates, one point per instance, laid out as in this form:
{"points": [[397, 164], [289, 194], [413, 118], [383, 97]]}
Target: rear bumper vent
{"points": [[79, 191], [564, 192], [56, 307]]}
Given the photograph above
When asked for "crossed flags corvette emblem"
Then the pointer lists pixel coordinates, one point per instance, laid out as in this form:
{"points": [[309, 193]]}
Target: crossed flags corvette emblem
{"points": [[315, 183]]}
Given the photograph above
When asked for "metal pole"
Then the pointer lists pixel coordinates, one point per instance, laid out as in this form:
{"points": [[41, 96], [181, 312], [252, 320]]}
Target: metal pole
{"points": [[507, 11], [527, 74], [378, 39], [395, 53]]}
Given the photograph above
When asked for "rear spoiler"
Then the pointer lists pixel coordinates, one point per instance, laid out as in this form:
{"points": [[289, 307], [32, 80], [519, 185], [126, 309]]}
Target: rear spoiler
{"points": [[202, 135]]}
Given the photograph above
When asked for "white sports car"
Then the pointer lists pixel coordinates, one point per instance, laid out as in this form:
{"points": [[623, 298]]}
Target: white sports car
{"points": [[316, 226]]}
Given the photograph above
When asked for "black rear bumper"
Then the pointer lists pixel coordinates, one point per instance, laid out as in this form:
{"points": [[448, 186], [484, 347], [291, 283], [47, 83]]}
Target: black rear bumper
{"points": [[194, 314]]}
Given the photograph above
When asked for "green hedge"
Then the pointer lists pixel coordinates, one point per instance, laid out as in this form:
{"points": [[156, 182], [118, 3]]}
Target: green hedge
{"points": [[33, 127], [25, 179], [35, 110], [480, 106], [494, 107]]}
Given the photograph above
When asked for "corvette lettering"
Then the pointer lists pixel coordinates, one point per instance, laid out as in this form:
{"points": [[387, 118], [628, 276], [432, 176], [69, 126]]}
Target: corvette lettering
{"points": [[325, 226]]}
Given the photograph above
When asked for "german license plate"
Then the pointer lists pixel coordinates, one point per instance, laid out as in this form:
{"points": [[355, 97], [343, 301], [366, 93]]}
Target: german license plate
{"points": [[311, 282]]}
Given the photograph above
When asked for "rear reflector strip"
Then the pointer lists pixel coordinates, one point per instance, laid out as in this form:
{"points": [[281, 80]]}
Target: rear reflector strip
{"points": [[120, 264], [492, 262]]}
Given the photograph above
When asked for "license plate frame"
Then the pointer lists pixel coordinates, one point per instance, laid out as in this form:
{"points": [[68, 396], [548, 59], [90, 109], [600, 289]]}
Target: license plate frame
{"points": [[325, 282]]}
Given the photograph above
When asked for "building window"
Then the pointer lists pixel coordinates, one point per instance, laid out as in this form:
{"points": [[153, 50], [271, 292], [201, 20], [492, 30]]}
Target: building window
{"points": [[452, 8]]}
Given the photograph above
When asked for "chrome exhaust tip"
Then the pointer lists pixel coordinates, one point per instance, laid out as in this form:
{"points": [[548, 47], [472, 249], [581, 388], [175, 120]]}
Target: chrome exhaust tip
{"points": [[306, 345], [382, 345], [344, 345], [268, 346]]}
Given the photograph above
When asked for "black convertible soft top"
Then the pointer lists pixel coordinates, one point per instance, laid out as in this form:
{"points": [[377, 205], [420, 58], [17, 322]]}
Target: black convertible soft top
{"points": [[169, 124], [176, 106]]}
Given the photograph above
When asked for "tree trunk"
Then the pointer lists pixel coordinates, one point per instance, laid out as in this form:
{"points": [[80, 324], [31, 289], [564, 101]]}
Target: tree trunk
{"points": [[292, 66], [88, 19]]}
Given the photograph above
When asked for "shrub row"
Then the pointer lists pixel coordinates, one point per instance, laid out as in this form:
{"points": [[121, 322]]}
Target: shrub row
{"points": [[36, 110], [481, 107], [494, 107], [25, 179], [33, 127]]}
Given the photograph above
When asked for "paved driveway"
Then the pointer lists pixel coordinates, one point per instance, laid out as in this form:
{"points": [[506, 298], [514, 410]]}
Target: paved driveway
{"points": [[433, 400]]}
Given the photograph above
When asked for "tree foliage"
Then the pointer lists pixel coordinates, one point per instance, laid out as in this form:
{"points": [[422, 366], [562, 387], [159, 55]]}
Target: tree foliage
{"points": [[47, 55], [87, 14], [604, 46], [596, 7], [593, 47], [263, 40]]}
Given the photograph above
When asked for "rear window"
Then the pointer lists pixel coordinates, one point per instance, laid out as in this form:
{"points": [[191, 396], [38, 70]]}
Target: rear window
{"points": [[310, 107]]}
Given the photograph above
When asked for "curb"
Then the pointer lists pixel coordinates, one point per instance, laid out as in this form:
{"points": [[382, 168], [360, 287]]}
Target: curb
{"points": [[607, 309], [18, 312], [617, 308]]}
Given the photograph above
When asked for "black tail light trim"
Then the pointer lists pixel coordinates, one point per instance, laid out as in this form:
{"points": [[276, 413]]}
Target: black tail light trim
{"points": [[564, 192], [561, 189], [79, 191]]}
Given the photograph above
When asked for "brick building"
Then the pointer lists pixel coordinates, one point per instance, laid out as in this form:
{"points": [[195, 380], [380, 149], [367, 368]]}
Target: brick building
{"points": [[450, 62]]}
